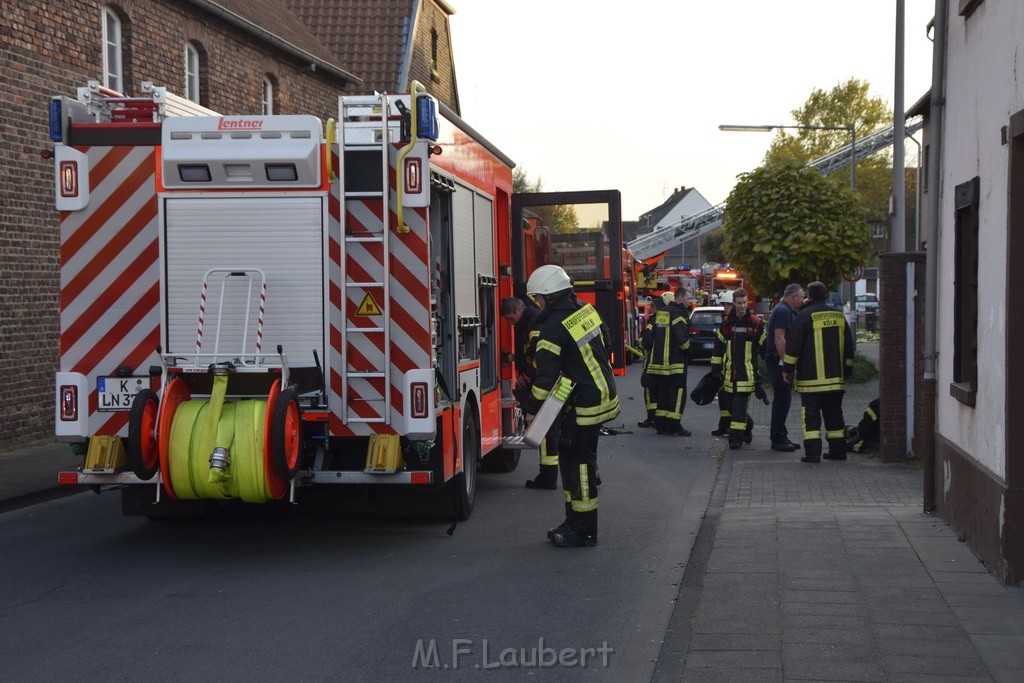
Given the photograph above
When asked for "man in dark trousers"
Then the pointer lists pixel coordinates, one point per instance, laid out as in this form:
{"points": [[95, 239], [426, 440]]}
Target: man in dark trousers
{"points": [[738, 346], [523, 318], [571, 344], [782, 395], [669, 341], [819, 350]]}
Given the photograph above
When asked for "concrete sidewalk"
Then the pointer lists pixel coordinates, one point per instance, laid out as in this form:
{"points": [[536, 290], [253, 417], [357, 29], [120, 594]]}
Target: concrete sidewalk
{"points": [[831, 571]]}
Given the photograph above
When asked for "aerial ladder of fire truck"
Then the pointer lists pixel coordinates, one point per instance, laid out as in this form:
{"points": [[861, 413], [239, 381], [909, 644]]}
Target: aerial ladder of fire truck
{"points": [[650, 248]]}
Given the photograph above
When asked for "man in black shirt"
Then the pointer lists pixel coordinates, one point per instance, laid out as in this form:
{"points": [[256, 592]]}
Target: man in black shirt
{"points": [[782, 394]]}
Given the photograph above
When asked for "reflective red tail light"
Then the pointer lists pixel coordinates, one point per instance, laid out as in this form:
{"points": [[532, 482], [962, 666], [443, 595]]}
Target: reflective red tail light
{"points": [[68, 403], [419, 407]]}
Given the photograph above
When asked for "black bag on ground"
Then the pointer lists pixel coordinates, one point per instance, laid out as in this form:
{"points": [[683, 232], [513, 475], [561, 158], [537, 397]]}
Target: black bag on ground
{"points": [[706, 389]]}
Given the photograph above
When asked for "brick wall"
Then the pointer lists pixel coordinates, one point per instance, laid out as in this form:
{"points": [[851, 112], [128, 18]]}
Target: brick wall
{"points": [[440, 80], [893, 357], [51, 48]]}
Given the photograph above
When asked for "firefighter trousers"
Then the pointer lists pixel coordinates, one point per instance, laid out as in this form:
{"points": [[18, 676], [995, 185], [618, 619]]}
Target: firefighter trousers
{"points": [[671, 401], [549, 452], [732, 416], [577, 451], [827, 406]]}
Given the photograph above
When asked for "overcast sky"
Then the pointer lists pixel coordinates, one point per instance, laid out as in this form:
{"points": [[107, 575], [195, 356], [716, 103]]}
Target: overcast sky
{"points": [[628, 95]]}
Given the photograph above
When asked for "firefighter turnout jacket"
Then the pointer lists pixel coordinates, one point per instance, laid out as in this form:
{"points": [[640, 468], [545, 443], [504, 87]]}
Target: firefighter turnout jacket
{"points": [[571, 343], [738, 344], [819, 345], [667, 341]]}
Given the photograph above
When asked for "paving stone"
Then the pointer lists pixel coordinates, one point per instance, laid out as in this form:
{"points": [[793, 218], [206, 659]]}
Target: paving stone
{"points": [[950, 667], [817, 636], [735, 641], [739, 659], [731, 675]]}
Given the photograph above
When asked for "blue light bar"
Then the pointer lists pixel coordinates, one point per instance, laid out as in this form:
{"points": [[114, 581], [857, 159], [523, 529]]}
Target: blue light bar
{"points": [[56, 121], [426, 118]]}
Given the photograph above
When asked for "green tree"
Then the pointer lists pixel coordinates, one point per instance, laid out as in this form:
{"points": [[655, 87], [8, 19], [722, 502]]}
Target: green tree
{"points": [[561, 218], [848, 103], [521, 182], [711, 247], [785, 222]]}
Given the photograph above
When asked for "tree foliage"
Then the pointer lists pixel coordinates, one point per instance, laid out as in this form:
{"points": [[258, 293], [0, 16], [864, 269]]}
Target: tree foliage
{"points": [[711, 247], [560, 218], [848, 103], [785, 222]]}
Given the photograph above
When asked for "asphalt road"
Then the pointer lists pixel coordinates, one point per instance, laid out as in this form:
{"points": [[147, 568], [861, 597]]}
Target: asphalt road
{"points": [[289, 595]]}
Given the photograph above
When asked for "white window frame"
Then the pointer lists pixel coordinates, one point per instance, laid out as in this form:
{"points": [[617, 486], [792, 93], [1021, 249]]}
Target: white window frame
{"points": [[268, 96], [113, 73], [192, 82]]}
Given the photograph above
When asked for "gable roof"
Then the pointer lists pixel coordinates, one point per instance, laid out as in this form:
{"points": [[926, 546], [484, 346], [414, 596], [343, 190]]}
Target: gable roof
{"points": [[654, 216], [372, 38], [273, 22]]}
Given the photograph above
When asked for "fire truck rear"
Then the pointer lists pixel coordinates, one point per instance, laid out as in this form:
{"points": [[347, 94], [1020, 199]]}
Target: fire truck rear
{"points": [[252, 306]]}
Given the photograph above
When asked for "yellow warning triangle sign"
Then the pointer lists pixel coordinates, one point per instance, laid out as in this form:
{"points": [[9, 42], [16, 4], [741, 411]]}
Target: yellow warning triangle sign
{"points": [[369, 306]]}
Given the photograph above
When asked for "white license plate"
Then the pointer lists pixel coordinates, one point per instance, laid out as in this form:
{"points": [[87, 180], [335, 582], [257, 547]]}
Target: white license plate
{"points": [[709, 345], [116, 393]]}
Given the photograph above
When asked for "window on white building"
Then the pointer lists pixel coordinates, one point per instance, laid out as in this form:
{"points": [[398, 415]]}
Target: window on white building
{"points": [[192, 72], [112, 48], [965, 290]]}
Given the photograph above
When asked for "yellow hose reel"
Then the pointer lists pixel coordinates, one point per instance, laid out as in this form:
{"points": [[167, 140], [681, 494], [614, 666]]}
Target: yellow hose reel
{"points": [[215, 448]]}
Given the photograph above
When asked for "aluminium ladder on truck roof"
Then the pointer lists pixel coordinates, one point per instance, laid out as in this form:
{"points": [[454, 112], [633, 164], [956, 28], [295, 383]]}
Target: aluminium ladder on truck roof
{"points": [[695, 225]]}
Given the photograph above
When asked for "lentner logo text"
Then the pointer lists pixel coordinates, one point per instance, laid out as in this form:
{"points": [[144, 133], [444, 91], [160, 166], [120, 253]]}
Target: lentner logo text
{"points": [[240, 124]]}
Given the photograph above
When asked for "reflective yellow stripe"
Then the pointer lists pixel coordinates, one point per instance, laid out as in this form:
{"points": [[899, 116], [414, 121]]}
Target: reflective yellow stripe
{"points": [[538, 393], [583, 506], [790, 360], [584, 481], [550, 347], [870, 413], [836, 434], [812, 436], [546, 456]]}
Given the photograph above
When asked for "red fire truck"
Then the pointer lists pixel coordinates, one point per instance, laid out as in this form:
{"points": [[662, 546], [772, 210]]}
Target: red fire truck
{"points": [[252, 306]]}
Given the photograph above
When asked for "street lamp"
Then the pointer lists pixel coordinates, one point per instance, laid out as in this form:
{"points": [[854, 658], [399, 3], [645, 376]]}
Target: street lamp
{"points": [[768, 128]]}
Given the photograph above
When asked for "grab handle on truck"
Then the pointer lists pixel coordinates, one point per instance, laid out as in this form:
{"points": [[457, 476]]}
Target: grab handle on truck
{"points": [[415, 88]]}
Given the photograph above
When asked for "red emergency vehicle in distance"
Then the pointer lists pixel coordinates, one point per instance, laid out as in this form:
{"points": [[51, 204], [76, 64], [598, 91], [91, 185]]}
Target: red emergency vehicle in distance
{"points": [[581, 232]]}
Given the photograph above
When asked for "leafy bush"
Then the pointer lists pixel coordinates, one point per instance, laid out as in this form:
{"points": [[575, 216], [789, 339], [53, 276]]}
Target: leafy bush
{"points": [[863, 369]]}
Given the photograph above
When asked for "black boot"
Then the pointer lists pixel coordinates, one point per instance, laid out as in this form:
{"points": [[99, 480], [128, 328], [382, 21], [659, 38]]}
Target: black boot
{"points": [[735, 441], [560, 529], [570, 538], [546, 479], [646, 423]]}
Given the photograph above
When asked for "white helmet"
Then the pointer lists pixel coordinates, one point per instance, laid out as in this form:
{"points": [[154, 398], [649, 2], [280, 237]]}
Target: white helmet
{"points": [[548, 280], [668, 297], [726, 297]]}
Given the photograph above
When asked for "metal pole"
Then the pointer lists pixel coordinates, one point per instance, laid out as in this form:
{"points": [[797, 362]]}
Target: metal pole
{"points": [[853, 157], [899, 182]]}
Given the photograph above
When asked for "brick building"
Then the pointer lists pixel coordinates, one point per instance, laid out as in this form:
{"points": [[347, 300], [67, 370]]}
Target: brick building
{"points": [[232, 56]]}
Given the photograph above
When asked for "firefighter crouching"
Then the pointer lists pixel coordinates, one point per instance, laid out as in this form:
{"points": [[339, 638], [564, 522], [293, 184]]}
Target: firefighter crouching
{"points": [[570, 343], [819, 347]]}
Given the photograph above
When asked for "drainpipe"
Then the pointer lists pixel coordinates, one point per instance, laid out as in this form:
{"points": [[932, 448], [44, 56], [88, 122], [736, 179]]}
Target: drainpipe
{"points": [[938, 102]]}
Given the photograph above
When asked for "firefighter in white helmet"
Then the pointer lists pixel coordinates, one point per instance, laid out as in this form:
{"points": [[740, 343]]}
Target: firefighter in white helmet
{"points": [[570, 343]]}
